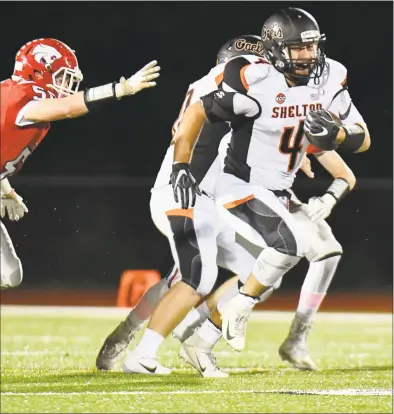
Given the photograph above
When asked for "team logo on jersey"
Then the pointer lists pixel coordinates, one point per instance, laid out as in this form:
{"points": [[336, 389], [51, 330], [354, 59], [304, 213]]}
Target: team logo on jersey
{"points": [[242, 44], [46, 55], [315, 96], [274, 32], [280, 98]]}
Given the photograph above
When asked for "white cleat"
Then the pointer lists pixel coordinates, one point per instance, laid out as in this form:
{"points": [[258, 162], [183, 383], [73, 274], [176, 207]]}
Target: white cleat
{"points": [[296, 353], [115, 346], [202, 360], [235, 316], [143, 365], [181, 333], [184, 356], [294, 348]]}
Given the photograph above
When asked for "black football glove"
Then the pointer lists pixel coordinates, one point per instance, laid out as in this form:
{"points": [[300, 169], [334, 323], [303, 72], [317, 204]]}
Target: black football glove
{"points": [[184, 185], [321, 130]]}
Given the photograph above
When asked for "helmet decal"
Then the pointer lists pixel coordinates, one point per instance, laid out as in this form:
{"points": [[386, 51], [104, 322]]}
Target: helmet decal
{"points": [[241, 45], [247, 46], [274, 32], [46, 54]]}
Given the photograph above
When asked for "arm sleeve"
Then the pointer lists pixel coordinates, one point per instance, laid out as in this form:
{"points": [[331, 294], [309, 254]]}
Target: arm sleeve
{"points": [[221, 106]]}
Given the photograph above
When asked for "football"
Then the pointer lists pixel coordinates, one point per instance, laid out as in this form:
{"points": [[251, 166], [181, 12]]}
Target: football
{"points": [[325, 146]]}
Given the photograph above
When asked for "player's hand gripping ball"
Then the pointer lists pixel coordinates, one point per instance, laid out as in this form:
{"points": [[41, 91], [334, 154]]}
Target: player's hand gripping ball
{"points": [[321, 129]]}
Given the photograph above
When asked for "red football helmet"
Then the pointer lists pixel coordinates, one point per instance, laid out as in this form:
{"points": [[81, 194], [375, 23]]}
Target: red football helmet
{"points": [[51, 64]]}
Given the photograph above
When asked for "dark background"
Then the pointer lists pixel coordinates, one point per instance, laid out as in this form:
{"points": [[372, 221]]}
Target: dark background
{"points": [[86, 235]]}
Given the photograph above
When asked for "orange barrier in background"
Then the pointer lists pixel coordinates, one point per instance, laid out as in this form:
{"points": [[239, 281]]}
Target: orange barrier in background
{"points": [[133, 284]]}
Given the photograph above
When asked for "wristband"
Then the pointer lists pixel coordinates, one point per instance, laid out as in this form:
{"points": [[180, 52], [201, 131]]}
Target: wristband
{"points": [[339, 188], [93, 97]]}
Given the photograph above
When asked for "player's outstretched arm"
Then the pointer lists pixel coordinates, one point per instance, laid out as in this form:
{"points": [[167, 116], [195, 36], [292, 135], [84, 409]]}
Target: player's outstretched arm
{"points": [[73, 106]]}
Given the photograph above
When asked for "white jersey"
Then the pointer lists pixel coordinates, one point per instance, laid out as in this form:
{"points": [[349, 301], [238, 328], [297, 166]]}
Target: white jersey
{"points": [[201, 87], [267, 148], [206, 148]]}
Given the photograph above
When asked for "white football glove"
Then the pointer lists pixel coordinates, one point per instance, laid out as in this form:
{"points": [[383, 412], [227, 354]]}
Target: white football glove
{"points": [[320, 208], [13, 205], [141, 80]]}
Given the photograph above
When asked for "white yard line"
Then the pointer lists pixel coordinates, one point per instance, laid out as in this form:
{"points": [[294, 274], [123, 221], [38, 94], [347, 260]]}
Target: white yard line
{"points": [[44, 338], [115, 312], [348, 392], [46, 353]]}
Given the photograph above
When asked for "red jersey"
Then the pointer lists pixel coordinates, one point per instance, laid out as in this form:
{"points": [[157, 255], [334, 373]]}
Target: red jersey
{"points": [[18, 136]]}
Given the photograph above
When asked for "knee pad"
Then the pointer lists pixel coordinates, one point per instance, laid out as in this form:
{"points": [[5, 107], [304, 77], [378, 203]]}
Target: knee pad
{"points": [[264, 296], [324, 244], [209, 274], [277, 283], [271, 265]]}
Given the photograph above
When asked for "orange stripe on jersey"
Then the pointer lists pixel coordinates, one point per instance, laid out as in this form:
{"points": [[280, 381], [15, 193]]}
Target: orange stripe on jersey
{"points": [[311, 149], [236, 203], [181, 212], [344, 81], [219, 79], [243, 79]]}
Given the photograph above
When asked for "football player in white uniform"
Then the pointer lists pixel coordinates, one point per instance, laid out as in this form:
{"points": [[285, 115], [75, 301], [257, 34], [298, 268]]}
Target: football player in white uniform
{"points": [[118, 340], [324, 256], [198, 241], [270, 105]]}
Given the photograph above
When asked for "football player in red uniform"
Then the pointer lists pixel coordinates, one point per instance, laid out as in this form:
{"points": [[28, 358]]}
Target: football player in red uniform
{"points": [[44, 88]]}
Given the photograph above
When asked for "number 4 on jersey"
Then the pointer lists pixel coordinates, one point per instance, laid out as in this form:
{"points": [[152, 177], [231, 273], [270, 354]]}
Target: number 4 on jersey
{"points": [[293, 150]]}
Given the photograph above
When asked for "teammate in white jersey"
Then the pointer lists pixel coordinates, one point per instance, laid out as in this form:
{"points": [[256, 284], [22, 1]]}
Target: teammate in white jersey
{"points": [[267, 104], [198, 241]]}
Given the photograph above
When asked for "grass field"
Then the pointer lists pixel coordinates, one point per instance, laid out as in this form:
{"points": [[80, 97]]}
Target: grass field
{"points": [[48, 356]]}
